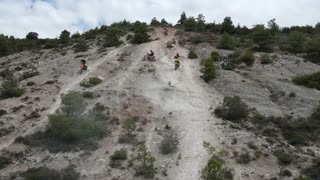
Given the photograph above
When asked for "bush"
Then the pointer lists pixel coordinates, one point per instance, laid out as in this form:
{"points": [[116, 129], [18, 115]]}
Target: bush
{"points": [[283, 157], [64, 37], [44, 173], [129, 37], [51, 44], [285, 173], [81, 46], [112, 37], [244, 158], [247, 57], [140, 37], [296, 41], [209, 70], [119, 155], [262, 38], [265, 59], [73, 104], [9, 89], [233, 109], [226, 42], [2, 112], [251, 145], [140, 33], [169, 143], [190, 24], [69, 128], [144, 163], [117, 158], [308, 80], [29, 74], [88, 94], [192, 55], [128, 128], [214, 170], [4, 161], [312, 48], [313, 172], [92, 81]]}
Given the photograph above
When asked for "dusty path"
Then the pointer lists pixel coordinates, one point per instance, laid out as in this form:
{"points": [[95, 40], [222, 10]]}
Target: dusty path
{"points": [[43, 122], [187, 97]]}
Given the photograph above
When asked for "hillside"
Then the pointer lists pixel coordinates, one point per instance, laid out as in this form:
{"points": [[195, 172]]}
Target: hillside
{"points": [[143, 102]]}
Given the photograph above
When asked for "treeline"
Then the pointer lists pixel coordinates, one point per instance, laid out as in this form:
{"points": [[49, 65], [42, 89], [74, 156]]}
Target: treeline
{"points": [[294, 39], [112, 34]]}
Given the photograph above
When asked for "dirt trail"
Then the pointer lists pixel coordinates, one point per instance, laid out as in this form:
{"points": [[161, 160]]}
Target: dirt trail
{"points": [[71, 86], [187, 97]]}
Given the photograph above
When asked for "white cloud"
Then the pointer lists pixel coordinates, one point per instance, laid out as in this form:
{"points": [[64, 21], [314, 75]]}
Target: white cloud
{"points": [[50, 17]]}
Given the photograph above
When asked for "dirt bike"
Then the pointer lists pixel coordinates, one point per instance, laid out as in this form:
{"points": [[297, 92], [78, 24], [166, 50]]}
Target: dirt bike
{"points": [[149, 58], [176, 65], [83, 68]]}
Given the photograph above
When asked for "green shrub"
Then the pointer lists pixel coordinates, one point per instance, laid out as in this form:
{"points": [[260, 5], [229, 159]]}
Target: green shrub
{"points": [[128, 128], [69, 128], [64, 37], [296, 41], [315, 116], [117, 158], [95, 81], [308, 80], [214, 170], [9, 89], [169, 143], [233, 109], [265, 59], [29, 74], [312, 172], [144, 163], [140, 37], [92, 81], [247, 57], [119, 155], [190, 24], [209, 70], [312, 48], [44, 173], [244, 158], [226, 42], [251, 145], [73, 104], [129, 37], [192, 55], [283, 157], [215, 55], [285, 173], [88, 94], [263, 39], [4, 161], [112, 37], [51, 44], [66, 129], [140, 33], [81, 46]]}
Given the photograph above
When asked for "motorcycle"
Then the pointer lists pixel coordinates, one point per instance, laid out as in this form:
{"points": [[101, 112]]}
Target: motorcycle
{"points": [[149, 58], [176, 65]]}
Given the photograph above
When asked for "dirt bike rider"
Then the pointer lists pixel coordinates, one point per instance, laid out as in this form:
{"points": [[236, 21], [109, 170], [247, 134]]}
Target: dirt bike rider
{"points": [[177, 59], [151, 55], [83, 66]]}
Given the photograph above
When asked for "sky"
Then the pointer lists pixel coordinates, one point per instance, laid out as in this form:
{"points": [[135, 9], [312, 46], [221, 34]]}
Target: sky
{"points": [[49, 17]]}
